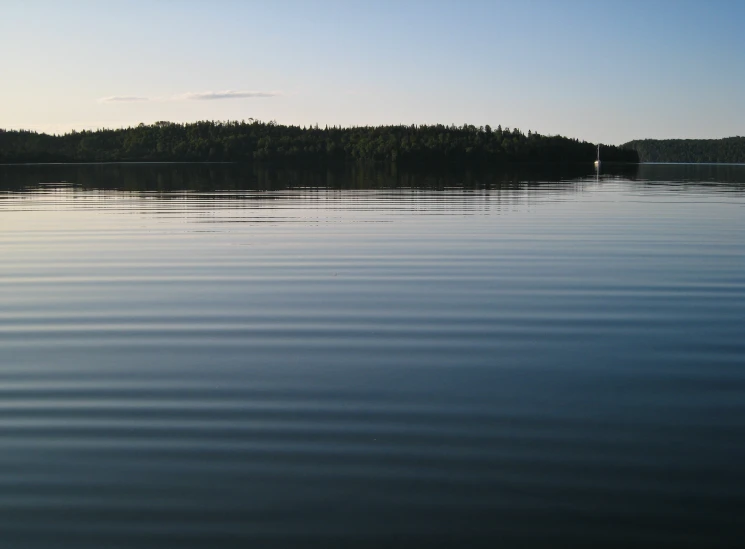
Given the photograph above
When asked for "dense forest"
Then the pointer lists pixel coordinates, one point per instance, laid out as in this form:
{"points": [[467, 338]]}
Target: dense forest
{"points": [[729, 149], [269, 142]]}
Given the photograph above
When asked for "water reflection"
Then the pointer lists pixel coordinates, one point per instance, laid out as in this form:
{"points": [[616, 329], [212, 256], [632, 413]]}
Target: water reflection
{"points": [[246, 194], [210, 356], [235, 193], [225, 177]]}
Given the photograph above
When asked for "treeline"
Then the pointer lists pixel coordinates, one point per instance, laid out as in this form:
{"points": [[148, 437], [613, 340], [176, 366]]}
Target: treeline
{"points": [[727, 150], [269, 142]]}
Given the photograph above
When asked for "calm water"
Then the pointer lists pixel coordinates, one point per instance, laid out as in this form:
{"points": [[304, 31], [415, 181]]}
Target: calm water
{"points": [[199, 356]]}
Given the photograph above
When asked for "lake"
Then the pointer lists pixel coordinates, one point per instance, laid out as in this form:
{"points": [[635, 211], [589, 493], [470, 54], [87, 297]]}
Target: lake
{"points": [[219, 356]]}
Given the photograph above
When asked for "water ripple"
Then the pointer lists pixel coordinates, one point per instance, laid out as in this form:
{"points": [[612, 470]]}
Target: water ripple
{"points": [[513, 363]]}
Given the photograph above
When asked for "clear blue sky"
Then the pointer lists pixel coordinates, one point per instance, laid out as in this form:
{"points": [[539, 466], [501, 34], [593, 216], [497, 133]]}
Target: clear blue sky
{"points": [[605, 71]]}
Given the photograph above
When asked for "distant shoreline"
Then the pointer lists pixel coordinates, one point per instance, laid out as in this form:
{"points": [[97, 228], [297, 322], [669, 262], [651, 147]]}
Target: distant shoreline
{"points": [[728, 150], [238, 163], [270, 143], [692, 163], [111, 163], [351, 164], [432, 146]]}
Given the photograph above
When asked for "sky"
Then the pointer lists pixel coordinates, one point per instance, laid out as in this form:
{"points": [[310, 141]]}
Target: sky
{"points": [[604, 71]]}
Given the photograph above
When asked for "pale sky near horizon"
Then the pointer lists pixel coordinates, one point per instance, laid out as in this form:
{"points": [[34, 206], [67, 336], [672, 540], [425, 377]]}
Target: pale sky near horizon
{"points": [[596, 70]]}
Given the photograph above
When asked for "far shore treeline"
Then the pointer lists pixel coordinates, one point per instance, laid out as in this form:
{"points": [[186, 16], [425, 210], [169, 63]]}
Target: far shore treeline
{"points": [[272, 143], [727, 150]]}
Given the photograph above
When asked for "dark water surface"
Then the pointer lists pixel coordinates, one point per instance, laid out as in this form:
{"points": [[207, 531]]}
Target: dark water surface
{"points": [[197, 356]]}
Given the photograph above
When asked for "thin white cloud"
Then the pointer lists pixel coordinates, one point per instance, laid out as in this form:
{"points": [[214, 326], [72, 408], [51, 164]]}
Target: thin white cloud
{"points": [[123, 99], [227, 94], [191, 96]]}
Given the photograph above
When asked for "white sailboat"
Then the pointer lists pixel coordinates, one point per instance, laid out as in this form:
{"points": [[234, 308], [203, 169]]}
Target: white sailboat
{"points": [[597, 162]]}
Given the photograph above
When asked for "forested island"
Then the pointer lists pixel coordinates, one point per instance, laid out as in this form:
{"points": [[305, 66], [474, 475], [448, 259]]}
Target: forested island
{"points": [[272, 143], [727, 150]]}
